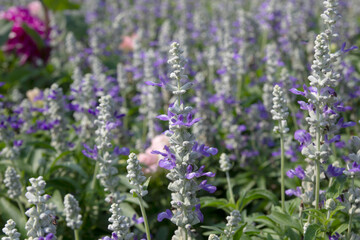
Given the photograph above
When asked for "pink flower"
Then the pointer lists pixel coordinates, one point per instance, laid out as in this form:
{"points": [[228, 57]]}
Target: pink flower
{"points": [[128, 43], [37, 10], [151, 160], [19, 41]]}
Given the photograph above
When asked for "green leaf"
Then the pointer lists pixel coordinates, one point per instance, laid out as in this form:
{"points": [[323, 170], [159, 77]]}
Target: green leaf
{"points": [[239, 232], [214, 229], [285, 220], [8, 210], [311, 232], [60, 5], [57, 199], [336, 187], [213, 202], [257, 194], [146, 184], [341, 228], [34, 36], [5, 29], [72, 167]]}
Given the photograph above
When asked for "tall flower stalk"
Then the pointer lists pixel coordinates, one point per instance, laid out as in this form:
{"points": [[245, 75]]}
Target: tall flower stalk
{"points": [[225, 166], [280, 113], [323, 105], [137, 179], [180, 158]]}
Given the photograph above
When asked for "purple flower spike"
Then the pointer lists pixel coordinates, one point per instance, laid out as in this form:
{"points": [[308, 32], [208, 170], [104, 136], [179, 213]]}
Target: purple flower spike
{"points": [[207, 187], [334, 171], [298, 172], [293, 192], [167, 214]]}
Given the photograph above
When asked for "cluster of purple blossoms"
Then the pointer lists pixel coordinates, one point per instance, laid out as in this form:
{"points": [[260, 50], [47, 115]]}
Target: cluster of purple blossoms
{"points": [[180, 157]]}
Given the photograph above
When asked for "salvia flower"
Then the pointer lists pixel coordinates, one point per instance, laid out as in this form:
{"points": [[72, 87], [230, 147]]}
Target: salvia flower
{"points": [[333, 171], [213, 237], [298, 172], [136, 176], [167, 214], [137, 220], [49, 236], [12, 182], [279, 110], [120, 225], [72, 212], [294, 192], [225, 163], [180, 158], [10, 231], [40, 219], [56, 113], [232, 223]]}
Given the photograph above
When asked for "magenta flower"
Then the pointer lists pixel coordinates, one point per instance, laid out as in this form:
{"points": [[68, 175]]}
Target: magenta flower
{"points": [[19, 40]]}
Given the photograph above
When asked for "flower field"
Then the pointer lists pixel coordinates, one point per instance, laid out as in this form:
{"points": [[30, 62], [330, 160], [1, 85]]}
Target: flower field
{"points": [[182, 120]]}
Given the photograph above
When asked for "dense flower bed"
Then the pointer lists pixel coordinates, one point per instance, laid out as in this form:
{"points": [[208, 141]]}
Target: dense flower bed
{"points": [[160, 119]]}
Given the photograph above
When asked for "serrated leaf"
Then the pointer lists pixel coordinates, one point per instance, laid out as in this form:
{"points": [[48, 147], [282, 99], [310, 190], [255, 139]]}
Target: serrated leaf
{"points": [[311, 232]]}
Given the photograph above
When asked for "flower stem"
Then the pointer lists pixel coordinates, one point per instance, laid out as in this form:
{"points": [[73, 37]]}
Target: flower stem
{"points": [[349, 227], [282, 172], [317, 160], [317, 185], [185, 233], [76, 234], [94, 176], [21, 208], [143, 213], [232, 199]]}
